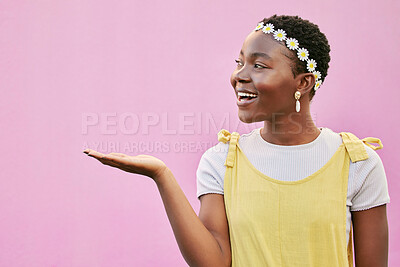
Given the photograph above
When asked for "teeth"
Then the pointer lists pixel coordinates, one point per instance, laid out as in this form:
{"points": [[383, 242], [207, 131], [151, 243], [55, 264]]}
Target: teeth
{"points": [[246, 94]]}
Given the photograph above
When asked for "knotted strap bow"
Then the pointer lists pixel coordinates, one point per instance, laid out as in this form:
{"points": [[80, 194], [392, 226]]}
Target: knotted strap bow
{"points": [[225, 136], [355, 147], [368, 140]]}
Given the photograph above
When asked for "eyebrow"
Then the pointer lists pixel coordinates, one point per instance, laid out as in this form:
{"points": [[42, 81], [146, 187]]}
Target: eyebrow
{"points": [[257, 54]]}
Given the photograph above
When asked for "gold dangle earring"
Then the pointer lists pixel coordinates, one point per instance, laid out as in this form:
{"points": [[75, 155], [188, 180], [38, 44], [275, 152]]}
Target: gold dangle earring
{"points": [[297, 97]]}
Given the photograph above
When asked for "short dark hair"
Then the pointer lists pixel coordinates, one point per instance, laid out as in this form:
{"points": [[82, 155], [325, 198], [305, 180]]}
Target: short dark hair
{"points": [[309, 37]]}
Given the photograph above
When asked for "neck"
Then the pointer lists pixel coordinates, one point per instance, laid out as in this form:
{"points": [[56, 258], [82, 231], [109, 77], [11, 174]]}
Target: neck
{"points": [[289, 130]]}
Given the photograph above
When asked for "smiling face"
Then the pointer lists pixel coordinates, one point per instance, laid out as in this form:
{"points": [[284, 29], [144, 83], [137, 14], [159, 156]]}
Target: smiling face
{"points": [[264, 70]]}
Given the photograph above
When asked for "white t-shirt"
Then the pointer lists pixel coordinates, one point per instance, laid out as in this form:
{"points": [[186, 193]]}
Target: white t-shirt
{"points": [[367, 186]]}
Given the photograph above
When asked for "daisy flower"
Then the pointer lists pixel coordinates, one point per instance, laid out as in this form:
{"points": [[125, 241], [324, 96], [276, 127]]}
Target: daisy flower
{"points": [[317, 75], [268, 28], [292, 43], [280, 35], [317, 85], [302, 54], [311, 65], [259, 26]]}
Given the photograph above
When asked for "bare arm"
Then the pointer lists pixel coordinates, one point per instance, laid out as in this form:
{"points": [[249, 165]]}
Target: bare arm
{"points": [[201, 244], [204, 241], [371, 237], [213, 215]]}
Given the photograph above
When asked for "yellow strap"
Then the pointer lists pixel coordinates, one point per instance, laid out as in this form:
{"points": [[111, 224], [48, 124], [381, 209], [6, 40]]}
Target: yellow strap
{"points": [[350, 246], [225, 136], [355, 147], [367, 140]]}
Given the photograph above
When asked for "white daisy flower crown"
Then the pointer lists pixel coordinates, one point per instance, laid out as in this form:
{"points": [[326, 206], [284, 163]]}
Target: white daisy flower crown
{"points": [[293, 44]]}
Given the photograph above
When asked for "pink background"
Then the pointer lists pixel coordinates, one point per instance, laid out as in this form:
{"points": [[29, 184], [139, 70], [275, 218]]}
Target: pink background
{"points": [[64, 64]]}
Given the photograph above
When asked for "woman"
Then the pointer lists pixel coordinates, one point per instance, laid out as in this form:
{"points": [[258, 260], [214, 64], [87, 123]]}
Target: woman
{"points": [[325, 185]]}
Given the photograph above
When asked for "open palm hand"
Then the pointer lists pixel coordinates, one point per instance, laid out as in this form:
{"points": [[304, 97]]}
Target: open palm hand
{"points": [[141, 164]]}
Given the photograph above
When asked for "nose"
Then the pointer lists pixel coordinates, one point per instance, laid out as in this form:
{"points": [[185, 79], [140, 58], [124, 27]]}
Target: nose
{"points": [[241, 75]]}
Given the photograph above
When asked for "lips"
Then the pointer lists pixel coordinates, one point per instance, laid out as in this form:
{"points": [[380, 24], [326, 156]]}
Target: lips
{"points": [[242, 90], [245, 97]]}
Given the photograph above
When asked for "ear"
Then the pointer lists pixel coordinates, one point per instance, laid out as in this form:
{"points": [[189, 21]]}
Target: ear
{"points": [[305, 83]]}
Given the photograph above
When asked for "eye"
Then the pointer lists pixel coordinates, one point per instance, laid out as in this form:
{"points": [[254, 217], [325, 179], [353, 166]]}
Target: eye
{"points": [[258, 66], [238, 62]]}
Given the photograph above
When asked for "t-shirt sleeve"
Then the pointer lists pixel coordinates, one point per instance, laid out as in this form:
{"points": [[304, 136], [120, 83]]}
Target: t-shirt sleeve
{"points": [[211, 170], [372, 188]]}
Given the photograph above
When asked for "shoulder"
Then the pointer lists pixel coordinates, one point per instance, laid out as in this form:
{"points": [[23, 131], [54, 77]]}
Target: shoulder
{"points": [[372, 162], [337, 138], [334, 139], [211, 170], [370, 182], [373, 156], [216, 155], [367, 181]]}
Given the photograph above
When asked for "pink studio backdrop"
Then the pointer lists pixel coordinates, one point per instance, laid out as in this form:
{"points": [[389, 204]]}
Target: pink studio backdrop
{"points": [[152, 77]]}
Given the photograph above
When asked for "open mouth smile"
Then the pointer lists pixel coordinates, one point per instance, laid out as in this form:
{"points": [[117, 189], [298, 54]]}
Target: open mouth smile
{"points": [[244, 99]]}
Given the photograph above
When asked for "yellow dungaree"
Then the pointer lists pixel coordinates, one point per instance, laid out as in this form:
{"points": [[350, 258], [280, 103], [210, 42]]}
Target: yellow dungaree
{"points": [[290, 223]]}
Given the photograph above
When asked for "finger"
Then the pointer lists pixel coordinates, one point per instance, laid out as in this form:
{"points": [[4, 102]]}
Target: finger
{"points": [[116, 159], [118, 154], [128, 164], [95, 154], [110, 161]]}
